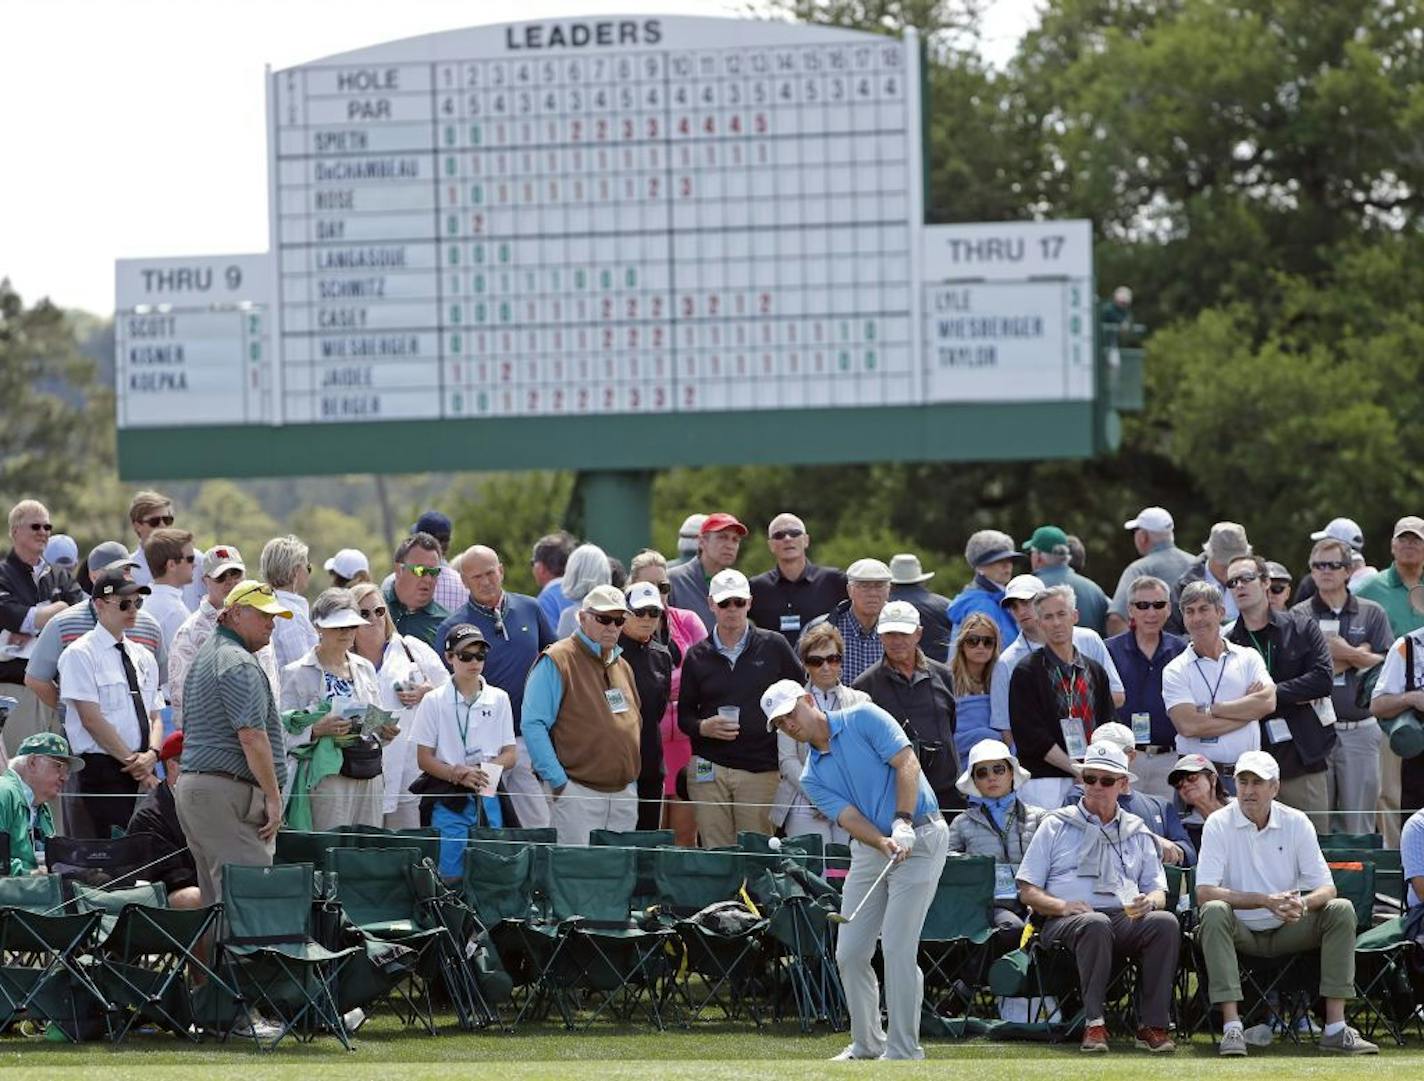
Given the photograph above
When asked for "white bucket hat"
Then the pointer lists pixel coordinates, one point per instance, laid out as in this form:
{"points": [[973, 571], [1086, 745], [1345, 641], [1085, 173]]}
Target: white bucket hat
{"points": [[990, 750]]}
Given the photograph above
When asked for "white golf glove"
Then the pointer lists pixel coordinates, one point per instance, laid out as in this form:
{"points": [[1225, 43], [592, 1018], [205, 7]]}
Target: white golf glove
{"points": [[903, 834]]}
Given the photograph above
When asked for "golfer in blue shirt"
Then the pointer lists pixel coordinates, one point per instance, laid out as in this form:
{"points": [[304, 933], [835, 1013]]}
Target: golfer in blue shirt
{"points": [[862, 774]]}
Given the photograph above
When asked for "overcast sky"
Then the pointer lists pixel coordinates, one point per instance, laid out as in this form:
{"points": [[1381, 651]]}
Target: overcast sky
{"points": [[134, 128]]}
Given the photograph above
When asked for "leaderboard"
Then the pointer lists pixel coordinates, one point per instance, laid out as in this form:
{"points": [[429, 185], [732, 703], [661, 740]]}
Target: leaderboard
{"points": [[620, 216]]}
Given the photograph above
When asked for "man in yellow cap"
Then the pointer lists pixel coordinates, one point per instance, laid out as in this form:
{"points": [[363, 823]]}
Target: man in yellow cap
{"points": [[234, 764]]}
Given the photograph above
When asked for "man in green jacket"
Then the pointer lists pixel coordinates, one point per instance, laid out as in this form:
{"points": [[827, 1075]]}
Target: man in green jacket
{"points": [[36, 775]]}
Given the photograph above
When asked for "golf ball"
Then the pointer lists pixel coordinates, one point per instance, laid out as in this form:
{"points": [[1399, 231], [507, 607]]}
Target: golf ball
{"points": [[774, 844]]}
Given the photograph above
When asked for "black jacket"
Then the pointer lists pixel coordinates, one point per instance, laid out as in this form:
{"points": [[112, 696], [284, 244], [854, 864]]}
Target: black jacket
{"points": [[1035, 713], [924, 706], [652, 675], [774, 598], [157, 815], [708, 681], [19, 592], [1299, 662], [934, 619]]}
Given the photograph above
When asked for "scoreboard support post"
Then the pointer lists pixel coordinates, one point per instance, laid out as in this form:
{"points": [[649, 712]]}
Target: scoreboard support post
{"points": [[612, 509]]}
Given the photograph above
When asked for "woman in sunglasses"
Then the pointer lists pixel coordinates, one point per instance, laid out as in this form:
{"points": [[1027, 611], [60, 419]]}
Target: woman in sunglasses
{"points": [[971, 666], [1200, 793], [652, 675], [407, 670], [821, 650], [679, 629]]}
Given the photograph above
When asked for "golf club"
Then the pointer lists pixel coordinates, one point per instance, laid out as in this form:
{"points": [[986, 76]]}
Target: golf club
{"points": [[836, 917]]}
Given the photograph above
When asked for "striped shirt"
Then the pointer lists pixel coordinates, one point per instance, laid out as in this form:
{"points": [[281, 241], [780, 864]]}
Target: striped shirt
{"points": [[226, 690], [1411, 852], [69, 626]]}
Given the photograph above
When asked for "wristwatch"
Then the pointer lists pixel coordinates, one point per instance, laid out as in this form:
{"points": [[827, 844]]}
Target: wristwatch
{"points": [[904, 816]]}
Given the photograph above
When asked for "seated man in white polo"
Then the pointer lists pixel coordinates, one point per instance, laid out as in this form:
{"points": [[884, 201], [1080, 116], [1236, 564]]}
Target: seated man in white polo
{"points": [[862, 773], [1265, 890]]}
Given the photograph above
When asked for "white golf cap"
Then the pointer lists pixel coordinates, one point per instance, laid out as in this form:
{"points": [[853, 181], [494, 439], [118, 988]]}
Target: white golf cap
{"points": [[990, 750], [727, 584], [691, 525], [1106, 758], [898, 617], [1259, 764], [1152, 519], [604, 598], [1342, 529], [1023, 587], [868, 570], [644, 595], [348, 563], [338, 618], [1119, 735], [780, 699]]}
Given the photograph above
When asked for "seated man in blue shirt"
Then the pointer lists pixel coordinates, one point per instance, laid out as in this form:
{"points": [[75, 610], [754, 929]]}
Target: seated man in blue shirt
{"points": [[862, 774]]}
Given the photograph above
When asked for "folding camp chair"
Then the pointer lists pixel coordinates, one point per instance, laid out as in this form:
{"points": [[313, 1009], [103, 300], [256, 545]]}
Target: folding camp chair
{"points": [[426, 841], [797, 903], [300, 846], [498, 886], [645, 841], [378, 892], [954, 953], [1385, 999], [601, 951], [722, 950], [148, 955], [270, 957]]}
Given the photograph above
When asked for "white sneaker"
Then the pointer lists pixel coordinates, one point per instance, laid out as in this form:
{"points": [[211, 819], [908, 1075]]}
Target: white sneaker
{"points": [[256, 1028], [849, 1055], [353, 1019]]}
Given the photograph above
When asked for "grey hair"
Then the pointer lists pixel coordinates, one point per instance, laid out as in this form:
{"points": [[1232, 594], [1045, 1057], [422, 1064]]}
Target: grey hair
{"points": [[281, 558], [1064, 591], [587, 567], [20, 763], [1200, 591], [332, 600], [1147, 582]]}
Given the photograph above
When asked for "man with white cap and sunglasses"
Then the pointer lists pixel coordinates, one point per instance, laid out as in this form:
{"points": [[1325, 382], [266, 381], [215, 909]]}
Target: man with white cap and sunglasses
{"points": [[862, 773], [1265, 890], [1093, 873], [1154, 536], [1348, 532]]}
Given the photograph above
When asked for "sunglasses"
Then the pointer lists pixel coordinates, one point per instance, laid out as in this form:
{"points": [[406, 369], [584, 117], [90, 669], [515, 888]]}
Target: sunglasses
{"points": [[367, 613], [189, 558], [420, 570], [1107, 780], [232, 574], [733, 602], [974, 640], [788, 534], [1247, 576], [260, 590], [1329, 565], [470, 656], [1279, 587], [664, 588], [1145, 606], [157, 520], [609, 621], [829, 658], [998, 769], [1186, 779], [42, 527], [127, 603], [647, 613]]}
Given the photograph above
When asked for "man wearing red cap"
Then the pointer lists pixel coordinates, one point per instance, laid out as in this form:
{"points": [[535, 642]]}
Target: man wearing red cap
{"points": [[718, 542], [157, 816]]}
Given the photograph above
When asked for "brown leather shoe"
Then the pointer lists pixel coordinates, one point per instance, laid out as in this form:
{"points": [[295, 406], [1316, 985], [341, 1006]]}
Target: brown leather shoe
{"points": [[1154, 1040], [1095, 1039]]}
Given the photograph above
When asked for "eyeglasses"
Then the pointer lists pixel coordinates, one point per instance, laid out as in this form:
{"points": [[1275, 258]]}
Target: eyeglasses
{"points": [[1106, 780], [128, 602], [1329, 565], [998, 769], [1144, 606], [1279, 587], [978, 640], [788, 534], [189, 558], [156, 520], [42, 527], [827, 658], [420, 570], [232, 574], [1244, 576], [1187, 778], [664, 588], [647, 613], [609, 621], [733, 602], [367, 613], [470, 656]]}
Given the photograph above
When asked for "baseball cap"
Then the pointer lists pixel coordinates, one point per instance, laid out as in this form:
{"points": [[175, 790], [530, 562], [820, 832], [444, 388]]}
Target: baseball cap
{"points": [[691, 525], [729, 583], [106, 555], [604, 598], [221, 558], [1342, 529], [461, 633], [1410, 523], [259, 595], [1277, 572], [1023, 587], [1047, 538], [1260, 764], [348, 563], [868, 570], [1106, 758], [715, 523], [644, 595], [1119, 735], [1152, 519], [898, 617], [115, 582], [172, 747], [1226, 542], [1190, 763], [990, 546], [61, 551], [780, 699], [51, 745], [434, 523]]}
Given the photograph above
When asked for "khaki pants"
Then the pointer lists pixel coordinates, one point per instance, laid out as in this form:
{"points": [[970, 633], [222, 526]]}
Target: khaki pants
{"points": [[1330, 929], [221, 817], [578, 810], [1390, 822], [732, 801], [1310, 793]]}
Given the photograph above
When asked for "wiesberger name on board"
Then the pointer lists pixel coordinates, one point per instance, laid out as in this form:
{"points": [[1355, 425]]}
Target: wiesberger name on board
{"points": [[154, 364]]}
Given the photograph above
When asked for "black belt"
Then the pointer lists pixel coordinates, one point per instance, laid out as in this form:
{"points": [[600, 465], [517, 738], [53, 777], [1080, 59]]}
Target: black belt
{"points": [[926, 818], [224, 773]]}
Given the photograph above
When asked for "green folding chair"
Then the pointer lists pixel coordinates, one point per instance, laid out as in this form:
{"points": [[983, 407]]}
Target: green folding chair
{"points": [[300, 846], [797, 904], [645, 841], [270, 957], [1353, 842], [427, 841], [954, 943], [498, 886]]}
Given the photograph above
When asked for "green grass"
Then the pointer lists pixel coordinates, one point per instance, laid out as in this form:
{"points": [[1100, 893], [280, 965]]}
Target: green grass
{"points": [[708, 1053]]}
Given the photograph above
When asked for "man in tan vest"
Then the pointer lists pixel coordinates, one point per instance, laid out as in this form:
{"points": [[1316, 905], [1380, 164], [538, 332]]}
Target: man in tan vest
{"points": [[582, 723]]}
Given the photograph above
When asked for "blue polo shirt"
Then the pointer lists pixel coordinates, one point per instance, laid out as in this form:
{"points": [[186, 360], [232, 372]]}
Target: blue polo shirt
{"points": [[1142, 681], [517, 633], [856, 771]]}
